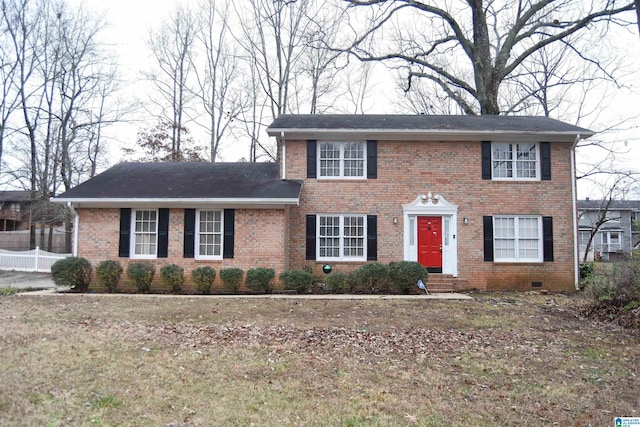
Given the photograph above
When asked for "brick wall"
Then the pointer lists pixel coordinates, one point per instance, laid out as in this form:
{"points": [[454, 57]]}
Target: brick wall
{"points": [[259, 242], [453, 169]]}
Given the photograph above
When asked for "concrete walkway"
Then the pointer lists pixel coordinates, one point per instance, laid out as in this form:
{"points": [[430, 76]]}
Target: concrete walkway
{"points": [[432, 296]]}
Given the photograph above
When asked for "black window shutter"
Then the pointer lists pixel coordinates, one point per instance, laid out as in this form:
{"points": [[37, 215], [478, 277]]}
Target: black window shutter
{"points": [[189, 233], [372, 159], [547, 238], [372, 237], [487, 227], [311, 237], [312, 155], [486, 159], [229, 233], [545, 161], [125, 232], [163, 233]]}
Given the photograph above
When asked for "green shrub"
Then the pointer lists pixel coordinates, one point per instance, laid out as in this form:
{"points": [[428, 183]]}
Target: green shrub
{"points": [[336, 282], [371, 278], [141, 275], [259, 279], [297, 280], [231, 279], [72, 271], [203, 277], [172, 276], [5, 292], [405, 274], [108, 273], [586, 270]]}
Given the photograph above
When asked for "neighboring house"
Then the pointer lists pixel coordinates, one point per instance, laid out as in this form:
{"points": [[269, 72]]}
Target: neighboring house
{"points": [[15, 213], [484, 202], [611, 223]]}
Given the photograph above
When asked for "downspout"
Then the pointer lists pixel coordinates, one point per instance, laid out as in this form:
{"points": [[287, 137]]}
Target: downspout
{"points": [[76, 225], [284, 156], [574, 204]]}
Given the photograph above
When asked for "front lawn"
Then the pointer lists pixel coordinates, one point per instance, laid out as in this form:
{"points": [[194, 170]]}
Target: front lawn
{"points": [[501, 359]]}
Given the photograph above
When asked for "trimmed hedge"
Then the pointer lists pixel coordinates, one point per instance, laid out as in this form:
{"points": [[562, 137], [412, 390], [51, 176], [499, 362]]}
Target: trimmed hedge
{"points": [[259, 279], [203, 277], [141, 275], [172, 276], [336, 282], [405, 274], [231, 279], [108, 273], [297, 280], [370, 278], [72, 271]]}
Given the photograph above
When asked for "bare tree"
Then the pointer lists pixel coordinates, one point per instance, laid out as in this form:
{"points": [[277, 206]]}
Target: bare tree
{"points": [[173, 47], [218, 80], [468, 49]]}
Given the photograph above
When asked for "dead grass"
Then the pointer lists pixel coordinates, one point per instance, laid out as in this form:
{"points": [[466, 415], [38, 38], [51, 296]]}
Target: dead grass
{"points": [[507, 359]]}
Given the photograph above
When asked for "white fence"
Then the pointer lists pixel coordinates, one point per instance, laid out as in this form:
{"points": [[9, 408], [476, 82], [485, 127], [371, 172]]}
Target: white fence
{"points": [[33, 260]]}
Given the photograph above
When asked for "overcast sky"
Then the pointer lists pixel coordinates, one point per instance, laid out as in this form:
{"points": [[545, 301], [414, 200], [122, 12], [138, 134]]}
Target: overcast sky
{"points": [[130, 21]]}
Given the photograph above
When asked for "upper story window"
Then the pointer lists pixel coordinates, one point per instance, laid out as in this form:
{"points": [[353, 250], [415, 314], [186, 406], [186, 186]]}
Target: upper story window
{"points": [[517, 161], [14, 207], [209, 231], [145, 234], [342, 160]]}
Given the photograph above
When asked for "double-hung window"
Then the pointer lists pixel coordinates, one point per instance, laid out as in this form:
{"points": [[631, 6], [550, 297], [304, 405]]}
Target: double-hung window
{"points": [[342, 160], [145, 234], [341, 237], [209, 229], [517, 238], [515, 161]]}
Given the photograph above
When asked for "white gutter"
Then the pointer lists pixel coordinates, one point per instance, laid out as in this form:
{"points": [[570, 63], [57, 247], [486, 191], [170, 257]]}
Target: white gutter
{"points": [[76, 226], [251, 203], [574, 205]]}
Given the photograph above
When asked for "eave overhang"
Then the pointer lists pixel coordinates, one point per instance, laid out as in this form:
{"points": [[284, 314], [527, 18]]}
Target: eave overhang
{"points": [[423, 135], [239, 203]]}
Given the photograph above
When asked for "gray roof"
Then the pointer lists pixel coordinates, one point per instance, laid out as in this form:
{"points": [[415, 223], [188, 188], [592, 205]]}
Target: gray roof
{"points": [[423, 127], [185, 183], [617, 205], [15, 196]]}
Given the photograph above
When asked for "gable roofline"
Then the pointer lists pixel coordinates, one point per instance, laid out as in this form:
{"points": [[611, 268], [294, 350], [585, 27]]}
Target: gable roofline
{"points": [[424, 127]]}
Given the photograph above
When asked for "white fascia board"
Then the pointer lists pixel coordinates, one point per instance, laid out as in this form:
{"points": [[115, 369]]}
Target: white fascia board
{"points": [[426, 135], [263, 203]]}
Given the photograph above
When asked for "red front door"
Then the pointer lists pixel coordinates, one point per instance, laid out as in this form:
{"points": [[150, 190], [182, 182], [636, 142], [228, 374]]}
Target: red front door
{"points": [[430, 243]]}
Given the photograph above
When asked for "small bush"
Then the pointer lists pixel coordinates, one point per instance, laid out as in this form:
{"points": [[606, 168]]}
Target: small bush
{"points": [[405, 274], [371, 278], [141, 275], [231, 279], [5, 292], [259, 279], [203, 277], [336, 282], [108, 273], [297, 280], [172, 276], [586, 270], [72, 271]]}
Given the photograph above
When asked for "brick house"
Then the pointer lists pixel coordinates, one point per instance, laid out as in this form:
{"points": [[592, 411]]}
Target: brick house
{"points": [[484, 202]]}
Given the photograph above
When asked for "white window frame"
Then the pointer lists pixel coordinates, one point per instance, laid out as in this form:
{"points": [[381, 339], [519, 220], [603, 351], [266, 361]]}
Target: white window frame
{"points": [[515, 162], [341, 238], [517, 239], [132, 244], [197, 253], [341, 146]]}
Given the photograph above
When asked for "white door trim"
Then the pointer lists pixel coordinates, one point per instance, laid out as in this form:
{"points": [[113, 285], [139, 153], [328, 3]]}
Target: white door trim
{"points": [[429, 205]]}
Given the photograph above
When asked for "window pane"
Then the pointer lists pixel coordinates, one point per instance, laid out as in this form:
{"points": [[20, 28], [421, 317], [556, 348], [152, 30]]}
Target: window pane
{"points": [[210, 233], [354, 159], [526, 160], [145, 234], [502, 160]]}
